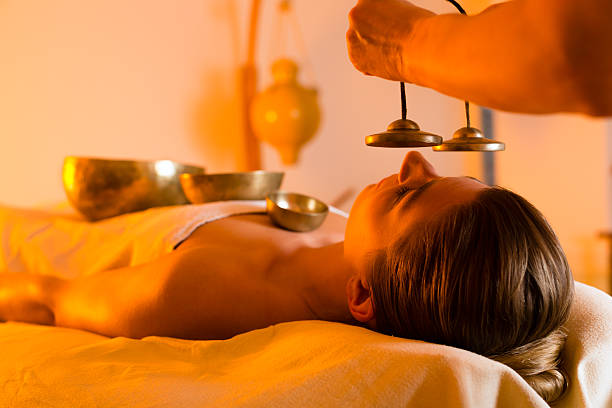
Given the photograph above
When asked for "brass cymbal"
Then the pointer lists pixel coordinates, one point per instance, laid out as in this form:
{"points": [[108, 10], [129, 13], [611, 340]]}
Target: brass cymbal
{"points": [[403, 133], [469, 139]]}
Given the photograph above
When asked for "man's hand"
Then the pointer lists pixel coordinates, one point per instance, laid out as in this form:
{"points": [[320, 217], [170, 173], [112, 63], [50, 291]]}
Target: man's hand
{"points": [[378, 33], [530, 56]]}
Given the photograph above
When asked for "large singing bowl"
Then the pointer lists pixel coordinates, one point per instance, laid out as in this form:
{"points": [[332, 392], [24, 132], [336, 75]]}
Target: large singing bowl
{"points": [[102, 188], [252, 185]]}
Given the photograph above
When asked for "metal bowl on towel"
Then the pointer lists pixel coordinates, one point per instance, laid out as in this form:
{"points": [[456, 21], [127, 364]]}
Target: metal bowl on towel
{"points": [[296, 212], [253, 185], [103, 188]]}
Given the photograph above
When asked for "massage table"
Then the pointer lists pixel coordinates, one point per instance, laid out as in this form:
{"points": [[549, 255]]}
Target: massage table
{"points": [[294, 364]]}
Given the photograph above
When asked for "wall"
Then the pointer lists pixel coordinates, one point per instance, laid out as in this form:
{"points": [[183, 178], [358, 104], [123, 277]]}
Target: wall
{"points": [[149, 80], [561, 164], [116, 79], [156, 79]]}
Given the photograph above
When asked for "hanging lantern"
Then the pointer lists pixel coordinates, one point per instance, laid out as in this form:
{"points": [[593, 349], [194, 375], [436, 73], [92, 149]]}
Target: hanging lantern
{"points": [[286, 114]]}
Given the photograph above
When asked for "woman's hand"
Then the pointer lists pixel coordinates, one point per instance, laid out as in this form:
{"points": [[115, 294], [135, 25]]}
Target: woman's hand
{"points": [[378, 34]]}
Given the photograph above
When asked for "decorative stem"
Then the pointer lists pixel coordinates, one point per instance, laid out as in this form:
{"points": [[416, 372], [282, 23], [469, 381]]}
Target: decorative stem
{"points": [[467, 104], [403, 96], [252, 150]]}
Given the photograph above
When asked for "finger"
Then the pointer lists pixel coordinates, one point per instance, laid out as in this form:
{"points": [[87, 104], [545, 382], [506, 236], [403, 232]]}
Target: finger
{"points": [[356, 12], [351, 17], [355, 55], [352, 37], [355, 37], [354, 47]]}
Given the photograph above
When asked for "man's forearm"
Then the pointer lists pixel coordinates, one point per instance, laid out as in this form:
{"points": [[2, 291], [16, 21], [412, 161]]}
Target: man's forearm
{"points": [[498, 58], [518, 56]]}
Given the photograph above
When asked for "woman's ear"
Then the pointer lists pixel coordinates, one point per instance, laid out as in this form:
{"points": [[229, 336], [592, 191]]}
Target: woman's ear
{"points": [[359, 298]]}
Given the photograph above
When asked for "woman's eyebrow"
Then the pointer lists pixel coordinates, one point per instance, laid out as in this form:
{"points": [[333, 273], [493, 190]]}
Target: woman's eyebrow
{"points": [[418, 192]]}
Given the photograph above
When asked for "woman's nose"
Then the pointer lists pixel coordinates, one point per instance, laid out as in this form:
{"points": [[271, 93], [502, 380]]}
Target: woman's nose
{"points": [[416, 168]]}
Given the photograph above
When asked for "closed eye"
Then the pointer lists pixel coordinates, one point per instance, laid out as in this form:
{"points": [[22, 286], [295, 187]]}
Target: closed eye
{"points": [[475, 179], [416, 192], [402, 190]]}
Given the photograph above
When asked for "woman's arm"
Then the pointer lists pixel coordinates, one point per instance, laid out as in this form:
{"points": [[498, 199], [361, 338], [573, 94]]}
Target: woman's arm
{"points": [[132, 301], [533, 56], [189, 293], [117, 302], [196, 293]]}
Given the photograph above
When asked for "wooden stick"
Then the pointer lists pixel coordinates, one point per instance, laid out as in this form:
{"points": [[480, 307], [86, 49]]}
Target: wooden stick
{"points": [[252, 157]]}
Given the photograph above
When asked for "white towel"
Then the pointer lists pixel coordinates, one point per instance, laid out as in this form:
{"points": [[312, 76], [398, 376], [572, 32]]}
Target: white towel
{"points": [[64, 245], [587, 356], [43, 242], [296, 364]]}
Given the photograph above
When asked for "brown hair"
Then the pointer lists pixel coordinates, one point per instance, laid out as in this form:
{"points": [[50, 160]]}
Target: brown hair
{"points": [[487, 276]]}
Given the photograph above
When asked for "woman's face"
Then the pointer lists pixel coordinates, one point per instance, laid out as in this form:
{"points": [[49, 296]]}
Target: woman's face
{"points": [[399, 203]]}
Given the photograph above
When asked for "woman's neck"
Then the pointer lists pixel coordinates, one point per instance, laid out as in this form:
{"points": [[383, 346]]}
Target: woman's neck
{"points": [[323, 274]]}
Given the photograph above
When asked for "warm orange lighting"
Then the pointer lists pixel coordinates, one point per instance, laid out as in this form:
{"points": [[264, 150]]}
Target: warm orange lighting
{"points": [[69, 175], [271, 116], [165, 168]]}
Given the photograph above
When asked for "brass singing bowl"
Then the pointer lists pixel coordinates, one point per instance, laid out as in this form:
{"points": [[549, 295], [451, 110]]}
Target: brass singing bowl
{"points": [[296, 212], [253, 185], [103, 188]]}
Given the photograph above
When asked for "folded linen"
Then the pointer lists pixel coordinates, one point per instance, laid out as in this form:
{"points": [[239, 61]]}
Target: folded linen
{"points": [[587, 355], [43, 242]]}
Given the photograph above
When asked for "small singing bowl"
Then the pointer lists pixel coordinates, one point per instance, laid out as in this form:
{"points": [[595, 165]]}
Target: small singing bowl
{"points": [[253, 185], [103, 188], [296, 212]]}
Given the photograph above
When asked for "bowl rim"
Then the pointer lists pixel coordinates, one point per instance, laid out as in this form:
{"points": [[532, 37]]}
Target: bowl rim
{"points": [[133, 161], [309, 214], [240, 173]]}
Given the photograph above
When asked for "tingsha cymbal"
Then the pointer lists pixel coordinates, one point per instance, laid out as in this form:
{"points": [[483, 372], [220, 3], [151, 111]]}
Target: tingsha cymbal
{"points": [[403, 133], [469, 139]]}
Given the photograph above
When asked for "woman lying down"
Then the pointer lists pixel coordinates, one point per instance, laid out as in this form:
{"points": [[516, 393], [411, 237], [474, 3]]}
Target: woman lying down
{"points": [[446, 260]]}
